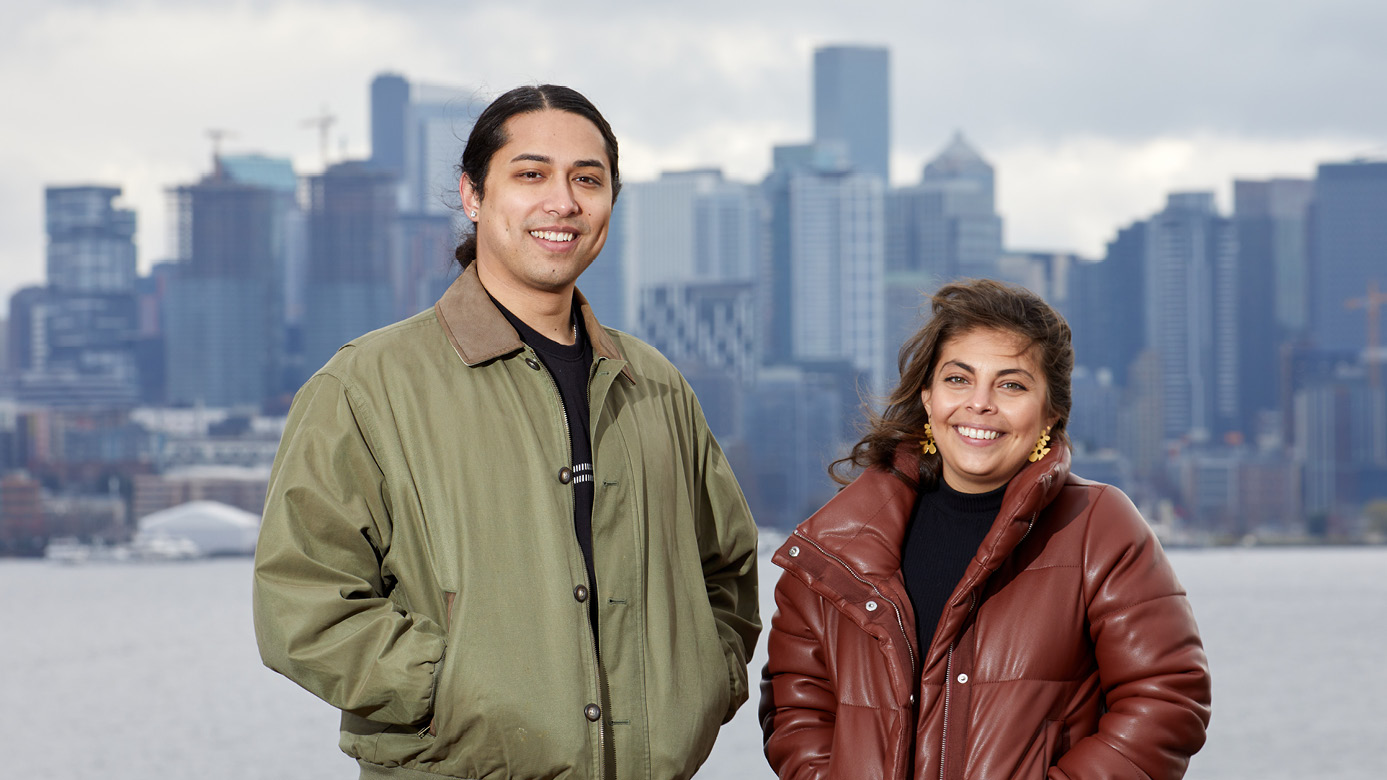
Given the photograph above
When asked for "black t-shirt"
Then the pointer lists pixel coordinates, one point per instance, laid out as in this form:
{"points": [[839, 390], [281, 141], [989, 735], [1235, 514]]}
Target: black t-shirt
{"points": [[944, 534], [570, 366]]}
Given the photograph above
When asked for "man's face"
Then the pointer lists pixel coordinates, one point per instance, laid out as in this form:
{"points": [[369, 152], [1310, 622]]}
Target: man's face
{"points": [[547, 205]]}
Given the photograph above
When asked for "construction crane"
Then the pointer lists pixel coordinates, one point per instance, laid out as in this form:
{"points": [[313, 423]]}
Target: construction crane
{"points": [[217, 134], [324, 122], [1371, 302]]}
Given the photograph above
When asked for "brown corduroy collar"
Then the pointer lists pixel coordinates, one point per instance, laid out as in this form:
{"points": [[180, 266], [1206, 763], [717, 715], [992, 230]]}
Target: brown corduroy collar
{"points": [[479, 331]]}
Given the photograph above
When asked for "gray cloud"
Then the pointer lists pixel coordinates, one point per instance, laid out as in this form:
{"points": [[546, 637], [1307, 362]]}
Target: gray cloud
{"points": [[123, 91]]}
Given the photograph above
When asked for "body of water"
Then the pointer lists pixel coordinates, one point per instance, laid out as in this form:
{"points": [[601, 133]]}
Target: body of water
{"points": [[139, 671]]}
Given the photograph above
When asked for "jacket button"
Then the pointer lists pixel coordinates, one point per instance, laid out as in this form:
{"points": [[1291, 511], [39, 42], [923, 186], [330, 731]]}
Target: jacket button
{"points": [[871, 606], [912, 698], [592, 712], [532, 363], [963, 679], [565, 475], [581, 593], [794, 552]]}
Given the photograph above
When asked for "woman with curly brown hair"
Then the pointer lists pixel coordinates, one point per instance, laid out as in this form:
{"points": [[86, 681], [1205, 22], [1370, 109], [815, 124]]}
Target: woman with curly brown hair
{"points": [[967, 608]]}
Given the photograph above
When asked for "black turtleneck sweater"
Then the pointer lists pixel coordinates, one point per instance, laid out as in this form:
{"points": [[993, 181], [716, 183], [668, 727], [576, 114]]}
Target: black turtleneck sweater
{"points": [[944, 535]]}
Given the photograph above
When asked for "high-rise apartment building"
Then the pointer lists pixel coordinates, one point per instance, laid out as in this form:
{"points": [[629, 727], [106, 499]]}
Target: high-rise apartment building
{"points": [[75, 339], [852, 106], [947, 225], [224, 304], [837, 281], [1191, 324], [1271, 219], [418, 132], [686, 226], [1348, 252], [1108, 309], [352, 239]]}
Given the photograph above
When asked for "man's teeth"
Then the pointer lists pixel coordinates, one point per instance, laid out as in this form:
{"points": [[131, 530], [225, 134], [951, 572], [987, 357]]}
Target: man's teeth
{"points": [[552, 235], [977, 433]]}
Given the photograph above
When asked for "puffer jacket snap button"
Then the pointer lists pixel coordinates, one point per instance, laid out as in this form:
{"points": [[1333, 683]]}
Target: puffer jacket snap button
{"points": [[794, 552], [871, 606], [963, 679]]}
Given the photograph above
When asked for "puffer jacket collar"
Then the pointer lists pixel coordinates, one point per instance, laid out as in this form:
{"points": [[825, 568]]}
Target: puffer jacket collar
{"points": [[864, 525], [479, 331]]}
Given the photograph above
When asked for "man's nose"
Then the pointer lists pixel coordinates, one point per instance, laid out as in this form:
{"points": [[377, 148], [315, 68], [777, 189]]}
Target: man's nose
{"points": [[559, 199]]}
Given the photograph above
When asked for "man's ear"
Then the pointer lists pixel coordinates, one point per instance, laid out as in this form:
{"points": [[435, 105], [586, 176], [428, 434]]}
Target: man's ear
{"points": [[471, 201]]}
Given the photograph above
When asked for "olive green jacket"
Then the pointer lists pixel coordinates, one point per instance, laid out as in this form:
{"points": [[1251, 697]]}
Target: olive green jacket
{"points": [[419, 476]]}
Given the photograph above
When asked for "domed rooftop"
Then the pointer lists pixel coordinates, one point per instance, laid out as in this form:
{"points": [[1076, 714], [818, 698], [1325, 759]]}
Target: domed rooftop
{"points": [[216, 529]]}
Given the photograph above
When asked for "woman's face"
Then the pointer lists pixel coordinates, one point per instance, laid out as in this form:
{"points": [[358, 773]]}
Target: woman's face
{"points": [[986, 406]]}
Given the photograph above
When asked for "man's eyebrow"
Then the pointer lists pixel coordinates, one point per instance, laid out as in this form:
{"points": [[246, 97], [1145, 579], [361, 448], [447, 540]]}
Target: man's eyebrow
{"points": [[540, 158]]}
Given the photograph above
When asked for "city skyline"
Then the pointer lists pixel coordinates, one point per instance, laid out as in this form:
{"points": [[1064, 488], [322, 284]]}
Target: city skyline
{"points": [[1087, 127]]}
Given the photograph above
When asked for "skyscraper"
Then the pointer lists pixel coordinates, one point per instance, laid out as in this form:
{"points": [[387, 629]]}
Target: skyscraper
{"points": [[1349, 251], [224, 306], [837, 278], [687, 226], [352, 242], [1270, 217], [418, 132], [80, 330], [947, 225], [1190, 315], [852, 106], [1108, 314]]}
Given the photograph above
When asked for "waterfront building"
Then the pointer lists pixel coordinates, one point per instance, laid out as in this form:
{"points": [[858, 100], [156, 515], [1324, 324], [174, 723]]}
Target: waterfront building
{"points": [[74, 340]]}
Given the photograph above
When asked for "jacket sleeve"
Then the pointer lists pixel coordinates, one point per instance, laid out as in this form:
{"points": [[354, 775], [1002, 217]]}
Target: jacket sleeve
{"points": [[322, 613], [727, 545], [799, 704], [1150, 659]]}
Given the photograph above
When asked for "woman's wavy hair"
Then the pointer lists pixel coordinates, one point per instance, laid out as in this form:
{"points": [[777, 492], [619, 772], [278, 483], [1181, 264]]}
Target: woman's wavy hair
{"points": [[959, 308]]}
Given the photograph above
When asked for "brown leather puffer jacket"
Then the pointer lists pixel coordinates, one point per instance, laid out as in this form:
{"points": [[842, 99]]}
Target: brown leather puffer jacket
{"points": [[1068, 649]]}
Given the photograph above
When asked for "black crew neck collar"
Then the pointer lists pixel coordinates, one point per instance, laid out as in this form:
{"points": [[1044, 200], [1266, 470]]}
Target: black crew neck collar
{"points": [[543, 343]]}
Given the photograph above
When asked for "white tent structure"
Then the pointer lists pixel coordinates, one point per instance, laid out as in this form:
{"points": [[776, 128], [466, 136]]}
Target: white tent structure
{"points": [[214, 528]]}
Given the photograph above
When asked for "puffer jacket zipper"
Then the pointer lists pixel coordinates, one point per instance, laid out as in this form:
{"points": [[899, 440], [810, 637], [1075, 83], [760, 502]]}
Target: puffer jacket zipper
{"points": [[948, 688], [949, 664], [903, 745]]}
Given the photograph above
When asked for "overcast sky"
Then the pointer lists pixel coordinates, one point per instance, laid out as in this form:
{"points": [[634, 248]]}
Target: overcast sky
{"points": [[1091, 110]]}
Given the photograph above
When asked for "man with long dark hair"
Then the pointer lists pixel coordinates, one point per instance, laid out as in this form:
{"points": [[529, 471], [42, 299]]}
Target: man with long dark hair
{"points": [[499, 537]]}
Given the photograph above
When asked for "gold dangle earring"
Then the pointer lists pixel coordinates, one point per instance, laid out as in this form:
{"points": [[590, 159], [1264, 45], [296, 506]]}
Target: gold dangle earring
{"points": [[927, 445], [1040, 450]]}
